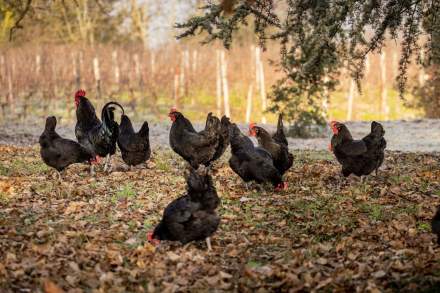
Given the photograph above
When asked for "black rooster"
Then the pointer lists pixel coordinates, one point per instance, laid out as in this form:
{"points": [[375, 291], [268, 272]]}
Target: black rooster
{"points": [[98, 137], [253, 163], [194, 147], [135, 147], [58, 152], [359, 157], [193, 216]]}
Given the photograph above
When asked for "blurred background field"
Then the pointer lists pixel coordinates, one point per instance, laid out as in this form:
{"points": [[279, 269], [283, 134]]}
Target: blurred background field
{"points": [[39, 79], [126, 51]]}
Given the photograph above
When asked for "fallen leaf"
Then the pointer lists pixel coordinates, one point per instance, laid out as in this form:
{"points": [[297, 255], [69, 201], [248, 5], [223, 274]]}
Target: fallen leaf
{"points": [[51, 287]]}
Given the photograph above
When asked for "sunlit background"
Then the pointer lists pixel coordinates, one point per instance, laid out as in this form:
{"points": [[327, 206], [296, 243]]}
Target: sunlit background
{"points": [[127, 51]]}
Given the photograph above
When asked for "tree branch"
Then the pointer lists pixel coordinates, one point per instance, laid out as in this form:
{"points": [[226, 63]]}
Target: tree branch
{"points": [[20, 18]]}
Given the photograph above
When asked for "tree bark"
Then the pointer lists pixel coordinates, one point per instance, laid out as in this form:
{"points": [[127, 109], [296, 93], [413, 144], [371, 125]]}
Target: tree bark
{"points": [[224, 69]]}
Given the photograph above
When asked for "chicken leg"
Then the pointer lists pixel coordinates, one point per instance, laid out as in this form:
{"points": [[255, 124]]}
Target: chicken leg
{"points": [[108, 163], [92, 170], [60, 177], [208, 243]]}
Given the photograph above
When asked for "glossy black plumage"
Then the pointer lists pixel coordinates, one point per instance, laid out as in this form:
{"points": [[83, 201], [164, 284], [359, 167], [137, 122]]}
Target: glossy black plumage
{"points": [[359, 157], [58, 152], [98, 137], [192, 216], [276, 145], [134, 146], [194, 147], [223, 138], [251, 163]]}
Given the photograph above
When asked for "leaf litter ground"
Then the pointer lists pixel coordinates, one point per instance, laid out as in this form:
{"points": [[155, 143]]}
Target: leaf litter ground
{"points": [[325, 233]]}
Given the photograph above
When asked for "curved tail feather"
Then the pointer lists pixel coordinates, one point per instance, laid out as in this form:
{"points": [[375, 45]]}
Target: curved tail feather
{"points": [[107, 114]]}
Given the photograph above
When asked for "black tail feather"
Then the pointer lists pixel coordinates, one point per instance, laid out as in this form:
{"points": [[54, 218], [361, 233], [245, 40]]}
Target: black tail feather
{"points": [[107, 114], [280, 126]]}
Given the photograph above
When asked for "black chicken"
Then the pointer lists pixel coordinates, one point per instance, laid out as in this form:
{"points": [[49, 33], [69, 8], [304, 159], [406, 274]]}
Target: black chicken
{"points": [[194, 147], [223, 138], [135, 147], [58, 152], [252, 163], [276, 145], [435, 224], [192, 216], [360, 157], [98, 137]]}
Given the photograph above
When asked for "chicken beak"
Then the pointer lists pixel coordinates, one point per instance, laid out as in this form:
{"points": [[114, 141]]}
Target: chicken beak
{"points": [[172, 117]]}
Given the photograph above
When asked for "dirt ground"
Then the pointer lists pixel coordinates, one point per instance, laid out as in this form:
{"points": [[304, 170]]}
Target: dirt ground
{"points": [[324, 233], [409, 136]]}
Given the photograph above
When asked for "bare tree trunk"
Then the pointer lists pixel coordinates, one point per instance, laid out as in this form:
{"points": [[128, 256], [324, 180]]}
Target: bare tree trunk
{"points": [[10, 88], [137, 70], [37, 64], [325, 100], [218, 84], [78, 63], [224, 68], [422, 75], [260, 79], [350, 99], [367, 64], [176, 89], [384, 92], [182, 76], [97, 75], [153, 62], [3, 75], [395, 63], [249, 102], [185, 61], [194, 61], [116, 70], [37, 73]]}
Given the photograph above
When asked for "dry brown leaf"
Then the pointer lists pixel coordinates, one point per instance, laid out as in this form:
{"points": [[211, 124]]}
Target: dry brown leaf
{"points": [[51, 287]]}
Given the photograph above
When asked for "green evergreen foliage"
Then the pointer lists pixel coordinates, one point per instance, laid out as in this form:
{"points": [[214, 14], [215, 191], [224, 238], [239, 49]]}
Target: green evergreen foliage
{"points": [[318, 37]]}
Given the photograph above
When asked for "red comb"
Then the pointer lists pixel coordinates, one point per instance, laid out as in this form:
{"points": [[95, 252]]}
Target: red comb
{"points": [[80, 93], [251, 125]]}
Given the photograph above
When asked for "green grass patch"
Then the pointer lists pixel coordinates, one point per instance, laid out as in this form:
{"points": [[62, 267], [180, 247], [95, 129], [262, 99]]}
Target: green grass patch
{"points": [[375, 211], [126, 192]]}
